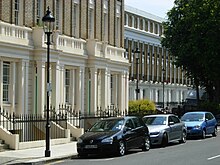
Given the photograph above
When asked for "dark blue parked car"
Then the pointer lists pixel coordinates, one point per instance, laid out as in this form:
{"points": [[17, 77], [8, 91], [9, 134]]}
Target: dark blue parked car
{"points": [[200, 124]]}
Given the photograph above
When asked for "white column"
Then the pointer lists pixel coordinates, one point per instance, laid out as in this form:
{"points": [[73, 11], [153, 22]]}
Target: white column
{"points": [[144, 23], [104, 87], [132, 19], [138, 23], [115, 87], [80, 89], [73, 93], [126, 90], [126, 19], [148, 63], [62, 84], [141, 93], [27, 110], [109, 87], [121, 93], [158, 63], [148, 26], [1, 85], [132, 59], [158, 29], [156, 95], [143, 60], [22, 88], [153, 62], [41, 88], [93, 90], [154, 31], [12, 90]]}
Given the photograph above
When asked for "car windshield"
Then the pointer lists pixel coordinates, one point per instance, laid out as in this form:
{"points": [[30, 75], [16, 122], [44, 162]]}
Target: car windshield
{"points": [[155, 120], [192, 117], [107, 125]]}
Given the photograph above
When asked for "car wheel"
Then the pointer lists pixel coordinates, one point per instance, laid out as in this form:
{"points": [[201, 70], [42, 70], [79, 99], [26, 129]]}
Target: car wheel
{"points": [[164, 140], [215, 132], [121, 148], [146, 145], [203, 134], [183, 140]]}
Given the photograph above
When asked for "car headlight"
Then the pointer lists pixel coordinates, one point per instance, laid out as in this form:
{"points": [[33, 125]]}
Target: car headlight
{"points": [[197, 127], [79, 140], [108, 140]]}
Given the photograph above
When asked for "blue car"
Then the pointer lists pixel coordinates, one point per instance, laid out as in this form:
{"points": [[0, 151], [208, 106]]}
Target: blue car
{"points": [[200, 124]]}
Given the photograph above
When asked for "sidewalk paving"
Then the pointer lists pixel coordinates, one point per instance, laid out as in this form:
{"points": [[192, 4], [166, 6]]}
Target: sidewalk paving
{"points": [[36, 155]]}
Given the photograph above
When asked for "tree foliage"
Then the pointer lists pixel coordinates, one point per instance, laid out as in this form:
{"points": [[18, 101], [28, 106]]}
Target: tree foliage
{"points": [[191, 34]]}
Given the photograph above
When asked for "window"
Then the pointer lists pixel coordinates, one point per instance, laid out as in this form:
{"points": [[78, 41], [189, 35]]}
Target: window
{"points": [[105, 10], [137, 122], [75, 20], [209, 116], [6, 81], [117, 31], [39, 12], [58, 15], [175, 119], [67, 85], [129, 124], [16, 12], [91, 23]]}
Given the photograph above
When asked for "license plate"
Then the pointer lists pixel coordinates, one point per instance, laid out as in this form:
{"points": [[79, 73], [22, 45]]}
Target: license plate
{"points": [[90, 146]]}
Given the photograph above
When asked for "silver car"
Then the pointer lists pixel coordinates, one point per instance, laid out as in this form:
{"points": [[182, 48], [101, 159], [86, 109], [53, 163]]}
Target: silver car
{"points": [[165, 128]]}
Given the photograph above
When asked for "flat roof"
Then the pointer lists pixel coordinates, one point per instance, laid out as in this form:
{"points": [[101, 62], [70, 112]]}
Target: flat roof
{"points": [[144, 14]]}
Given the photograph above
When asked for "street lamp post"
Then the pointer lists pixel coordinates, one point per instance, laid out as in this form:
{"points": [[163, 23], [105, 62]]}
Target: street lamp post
{"points": [[137, 52], [48, 21], [163, 71]]}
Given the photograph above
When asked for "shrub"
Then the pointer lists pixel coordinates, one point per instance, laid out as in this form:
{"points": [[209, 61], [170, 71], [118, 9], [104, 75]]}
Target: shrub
{"points": [[141, 107]]}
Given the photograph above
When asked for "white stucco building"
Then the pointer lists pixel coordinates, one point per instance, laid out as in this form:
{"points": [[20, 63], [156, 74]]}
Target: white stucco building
{"points": [[144, 30]]}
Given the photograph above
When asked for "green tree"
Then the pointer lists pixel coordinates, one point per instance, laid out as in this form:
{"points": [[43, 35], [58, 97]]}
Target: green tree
{"points": [[191, 34]]}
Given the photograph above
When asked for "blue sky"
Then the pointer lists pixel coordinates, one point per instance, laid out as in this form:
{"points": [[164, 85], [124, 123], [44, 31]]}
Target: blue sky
{"points": [[156, 7]]}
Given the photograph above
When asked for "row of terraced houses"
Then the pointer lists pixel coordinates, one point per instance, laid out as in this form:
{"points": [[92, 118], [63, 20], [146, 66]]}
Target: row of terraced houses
{"points": [[93, 62]]}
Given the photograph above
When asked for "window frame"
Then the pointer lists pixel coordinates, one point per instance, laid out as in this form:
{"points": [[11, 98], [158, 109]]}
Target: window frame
{"points": [[6, 81]]}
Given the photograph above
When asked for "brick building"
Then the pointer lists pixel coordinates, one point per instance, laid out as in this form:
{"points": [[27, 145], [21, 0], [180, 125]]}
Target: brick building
{"points": [[87, 68]]}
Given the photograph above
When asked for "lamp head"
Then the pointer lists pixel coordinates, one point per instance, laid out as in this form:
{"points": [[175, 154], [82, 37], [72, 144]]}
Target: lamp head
{"points": [[48, 21]]}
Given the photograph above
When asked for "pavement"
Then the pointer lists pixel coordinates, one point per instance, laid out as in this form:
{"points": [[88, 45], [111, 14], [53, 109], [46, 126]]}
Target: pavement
{"points": [[36, 156]]}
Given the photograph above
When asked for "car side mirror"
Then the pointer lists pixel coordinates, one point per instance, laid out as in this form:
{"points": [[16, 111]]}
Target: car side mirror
{"points": [[127, 129], [171, 123]]}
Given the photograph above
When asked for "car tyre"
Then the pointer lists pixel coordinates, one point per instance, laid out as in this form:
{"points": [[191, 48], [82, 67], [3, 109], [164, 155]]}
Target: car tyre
{"points": [[121, 148], [146, 145], [203, 134], [183, 140], [164, 140], [215, 132]]}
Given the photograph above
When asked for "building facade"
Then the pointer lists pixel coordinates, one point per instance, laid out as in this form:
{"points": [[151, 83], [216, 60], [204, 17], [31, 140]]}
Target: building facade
{"points": [[87, 69], [153, 72]]}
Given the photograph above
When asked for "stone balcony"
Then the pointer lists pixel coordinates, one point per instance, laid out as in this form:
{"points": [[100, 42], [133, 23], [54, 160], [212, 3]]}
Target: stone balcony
{"points": [[35, 38]]}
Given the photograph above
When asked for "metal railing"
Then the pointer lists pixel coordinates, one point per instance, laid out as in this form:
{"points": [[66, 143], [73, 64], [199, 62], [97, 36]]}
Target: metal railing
{"points": [[31, 127]]}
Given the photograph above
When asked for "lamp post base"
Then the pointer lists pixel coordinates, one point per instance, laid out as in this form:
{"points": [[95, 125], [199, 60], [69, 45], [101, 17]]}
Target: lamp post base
{"points": [[47, 153]]}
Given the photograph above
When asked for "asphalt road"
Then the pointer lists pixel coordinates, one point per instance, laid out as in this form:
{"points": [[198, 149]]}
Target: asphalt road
{"points": [[193, 152]]}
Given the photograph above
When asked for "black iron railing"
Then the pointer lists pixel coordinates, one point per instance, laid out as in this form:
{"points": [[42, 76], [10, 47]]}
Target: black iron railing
{"points": [[31, 127]]}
